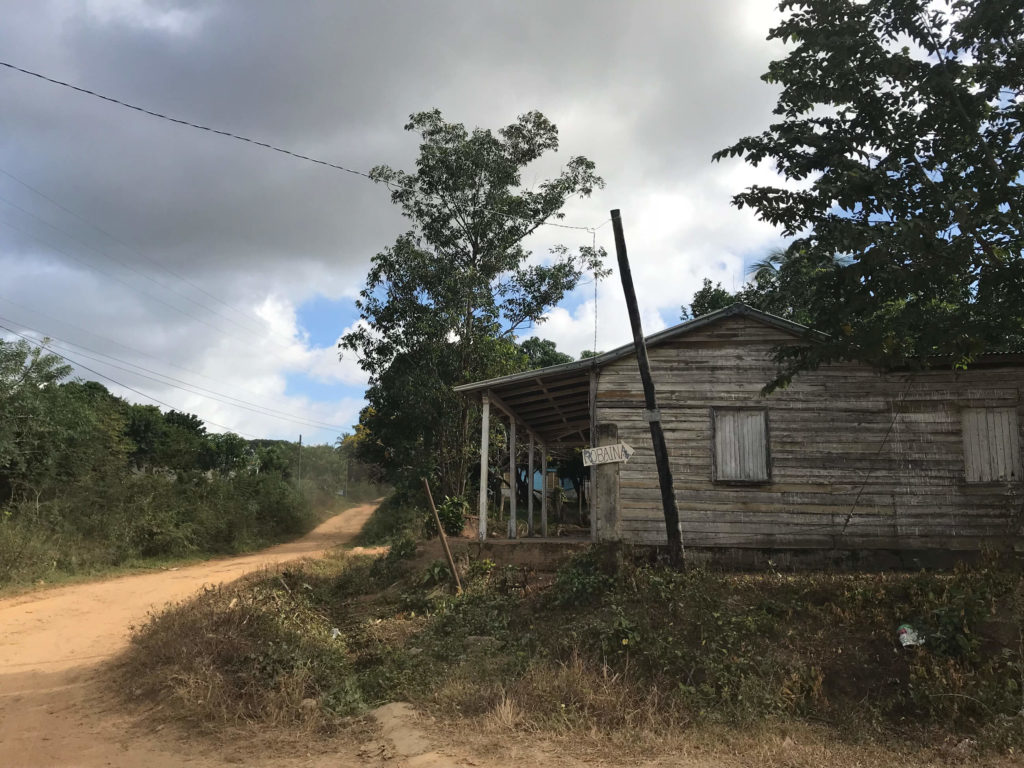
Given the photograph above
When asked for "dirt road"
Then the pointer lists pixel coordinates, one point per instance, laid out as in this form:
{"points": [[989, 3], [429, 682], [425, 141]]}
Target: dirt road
{"points": [[52, 715], [55, 714]]}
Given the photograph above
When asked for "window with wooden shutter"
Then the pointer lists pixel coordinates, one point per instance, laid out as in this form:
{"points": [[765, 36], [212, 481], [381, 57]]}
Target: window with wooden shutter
{"points": [[991, 445], [740, 438]]}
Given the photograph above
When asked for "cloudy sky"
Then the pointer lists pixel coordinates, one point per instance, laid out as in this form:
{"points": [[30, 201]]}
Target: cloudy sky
{"points": [[214, 276]]}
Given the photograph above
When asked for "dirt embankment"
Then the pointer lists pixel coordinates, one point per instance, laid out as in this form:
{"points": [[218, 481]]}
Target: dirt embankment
{"points": [[52, 713]]}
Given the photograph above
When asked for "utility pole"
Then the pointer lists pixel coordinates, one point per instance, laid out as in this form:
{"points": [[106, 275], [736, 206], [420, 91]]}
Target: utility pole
{"points": [[653, 415], [300, 460]]}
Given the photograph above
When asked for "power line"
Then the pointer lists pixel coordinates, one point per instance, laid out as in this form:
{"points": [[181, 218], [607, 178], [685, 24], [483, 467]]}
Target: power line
{"points": [[249, 140], [118, 383], [39, 312], [193, 389]]}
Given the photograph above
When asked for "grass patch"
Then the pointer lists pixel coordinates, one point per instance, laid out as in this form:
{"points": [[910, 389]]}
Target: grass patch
{"points": [[609, 648], [399, 515]]}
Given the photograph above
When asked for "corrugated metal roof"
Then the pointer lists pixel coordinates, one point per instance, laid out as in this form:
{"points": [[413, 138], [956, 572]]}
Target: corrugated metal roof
{"points": [[654, 339], [554, 402]]}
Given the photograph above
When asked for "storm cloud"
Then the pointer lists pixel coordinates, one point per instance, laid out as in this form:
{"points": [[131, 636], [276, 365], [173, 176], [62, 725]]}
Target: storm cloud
{"points": [[193, 256]]}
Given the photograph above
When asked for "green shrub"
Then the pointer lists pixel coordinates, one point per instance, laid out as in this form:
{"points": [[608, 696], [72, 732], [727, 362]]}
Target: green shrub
{"points": [[452, 512], [637, 647], [584, 580], [402, 547]]}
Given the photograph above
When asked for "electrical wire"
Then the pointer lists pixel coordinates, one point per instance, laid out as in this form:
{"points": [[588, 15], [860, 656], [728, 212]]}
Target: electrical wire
{"points": [[108, 340], [130, 268], [249, 140], [67, 359], [193, 389], [263, 325], [221, 331]]}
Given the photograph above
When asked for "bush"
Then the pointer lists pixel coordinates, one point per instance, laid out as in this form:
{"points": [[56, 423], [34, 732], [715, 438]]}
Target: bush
{"points": [[617, 647], [584, 580], [452, 512], [148, 516], [242, 654]]}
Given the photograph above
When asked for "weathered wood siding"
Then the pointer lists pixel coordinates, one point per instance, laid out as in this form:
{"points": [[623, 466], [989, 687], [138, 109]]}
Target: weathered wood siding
{"points": [[991, 445], [857, 459], [740, 438]]}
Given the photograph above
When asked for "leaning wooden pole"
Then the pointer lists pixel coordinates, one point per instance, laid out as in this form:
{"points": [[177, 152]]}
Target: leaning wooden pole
{"points": [[444, 539], [668, 496]]}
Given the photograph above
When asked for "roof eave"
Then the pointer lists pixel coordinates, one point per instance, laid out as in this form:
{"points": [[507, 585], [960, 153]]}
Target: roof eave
{"points": [[618, 353]]}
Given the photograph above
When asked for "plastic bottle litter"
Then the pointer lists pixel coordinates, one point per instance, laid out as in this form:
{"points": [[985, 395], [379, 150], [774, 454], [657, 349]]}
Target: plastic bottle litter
{"points": [[335, 633], [909, 637]]}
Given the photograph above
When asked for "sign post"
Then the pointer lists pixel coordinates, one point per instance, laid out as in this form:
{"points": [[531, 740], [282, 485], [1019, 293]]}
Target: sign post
{"points": [[607, 454]]}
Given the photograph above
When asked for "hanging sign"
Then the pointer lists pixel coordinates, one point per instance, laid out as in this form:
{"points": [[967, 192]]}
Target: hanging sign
{"points": [[607, 454]]}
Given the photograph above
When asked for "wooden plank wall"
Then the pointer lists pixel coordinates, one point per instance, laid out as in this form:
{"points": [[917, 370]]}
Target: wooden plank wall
{"points": [[858, 459], [991, 445]]}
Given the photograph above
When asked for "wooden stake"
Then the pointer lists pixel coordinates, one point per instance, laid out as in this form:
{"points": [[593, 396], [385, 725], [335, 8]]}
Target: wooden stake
{"points": [[668, 497], [444, 539]]}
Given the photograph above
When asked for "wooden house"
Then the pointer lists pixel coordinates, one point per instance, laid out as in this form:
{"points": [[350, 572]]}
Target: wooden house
{"points": [[847, 459]]}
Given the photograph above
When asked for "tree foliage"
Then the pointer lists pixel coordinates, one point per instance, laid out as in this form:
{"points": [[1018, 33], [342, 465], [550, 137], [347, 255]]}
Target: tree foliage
{"points": [[709, 298], [88, 480], [779, 285], [540, 353], [442, 306], [900, 122]]}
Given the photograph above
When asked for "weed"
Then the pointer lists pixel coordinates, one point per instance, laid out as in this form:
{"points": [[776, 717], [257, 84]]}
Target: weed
{"points": [[584, 580], [452, 512], [634, 647]]}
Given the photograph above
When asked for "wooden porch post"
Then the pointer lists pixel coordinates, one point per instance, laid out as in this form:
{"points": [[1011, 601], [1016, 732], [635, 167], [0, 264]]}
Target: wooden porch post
{"points": [[543, 490], [512, 472], [485, 441], [593, 467], [529, 486]]}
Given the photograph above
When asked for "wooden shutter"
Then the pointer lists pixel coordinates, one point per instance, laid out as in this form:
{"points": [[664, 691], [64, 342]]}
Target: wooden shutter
{"points": [[741, 445], [991, 445]]}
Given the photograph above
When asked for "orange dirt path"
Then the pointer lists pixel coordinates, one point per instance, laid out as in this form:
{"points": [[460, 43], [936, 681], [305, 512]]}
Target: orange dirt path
{"points": [[51, 713], [54, 713]]}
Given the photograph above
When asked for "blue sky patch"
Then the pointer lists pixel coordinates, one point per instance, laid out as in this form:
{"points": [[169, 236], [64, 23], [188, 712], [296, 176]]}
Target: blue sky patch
{"points": [[324, 319]]}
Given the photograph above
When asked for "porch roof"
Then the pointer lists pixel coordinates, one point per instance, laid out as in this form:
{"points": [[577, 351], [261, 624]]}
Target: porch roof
{"points": [[554, 403]]}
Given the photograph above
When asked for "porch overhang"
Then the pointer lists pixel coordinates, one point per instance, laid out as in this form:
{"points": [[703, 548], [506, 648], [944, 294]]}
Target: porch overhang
{"points": [[554, 404]]}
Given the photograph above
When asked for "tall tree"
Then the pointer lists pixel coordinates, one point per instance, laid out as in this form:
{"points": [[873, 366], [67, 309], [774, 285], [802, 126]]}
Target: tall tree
{"points": [[443, 304], [778, 284], [901, 121], [28, 428], [540, 353], [710, 297]]}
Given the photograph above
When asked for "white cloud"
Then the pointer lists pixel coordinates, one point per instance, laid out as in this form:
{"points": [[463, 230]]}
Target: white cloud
{"points": [[648, 92], [147, 15]]}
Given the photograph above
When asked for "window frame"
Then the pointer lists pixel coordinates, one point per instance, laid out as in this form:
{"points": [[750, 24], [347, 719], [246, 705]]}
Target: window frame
{"points": [[713, 414], [1015, 434]]}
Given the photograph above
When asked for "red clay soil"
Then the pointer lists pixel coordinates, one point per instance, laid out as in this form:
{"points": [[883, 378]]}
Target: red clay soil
{"points": [[52, 712]]}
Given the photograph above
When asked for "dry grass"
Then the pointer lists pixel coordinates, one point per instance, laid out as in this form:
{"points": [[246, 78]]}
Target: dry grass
{"points": [[250, 653], [745, 670]]}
